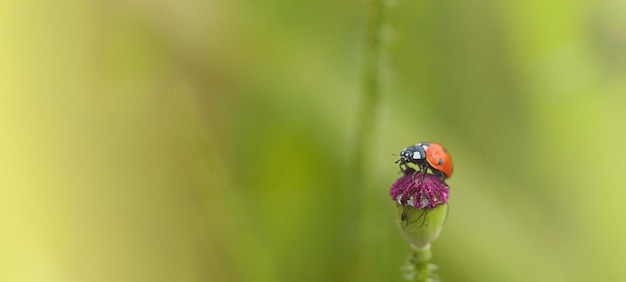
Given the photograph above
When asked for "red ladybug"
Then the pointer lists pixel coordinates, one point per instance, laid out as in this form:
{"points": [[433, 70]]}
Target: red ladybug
{"points": [[428, 155]]}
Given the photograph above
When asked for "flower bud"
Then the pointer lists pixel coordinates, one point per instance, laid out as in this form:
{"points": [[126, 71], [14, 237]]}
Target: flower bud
{"points": [[421, 206], [420, 227]]}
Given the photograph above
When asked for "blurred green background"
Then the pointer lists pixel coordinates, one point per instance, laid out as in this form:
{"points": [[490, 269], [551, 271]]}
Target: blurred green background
{"points": [[221, 140]]}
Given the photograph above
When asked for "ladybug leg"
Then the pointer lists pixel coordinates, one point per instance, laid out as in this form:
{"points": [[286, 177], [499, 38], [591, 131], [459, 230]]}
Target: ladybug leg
{"points": [[414, 174], [424, 169], [403, 168], [442, 176]]}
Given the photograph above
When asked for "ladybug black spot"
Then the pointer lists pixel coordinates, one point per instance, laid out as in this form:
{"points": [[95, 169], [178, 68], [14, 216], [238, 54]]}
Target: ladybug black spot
{"points": [[440, 161]]}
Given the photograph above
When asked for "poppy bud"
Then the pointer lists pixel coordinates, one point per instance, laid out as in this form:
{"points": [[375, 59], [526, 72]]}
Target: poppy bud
{"points": [[421, 206]]}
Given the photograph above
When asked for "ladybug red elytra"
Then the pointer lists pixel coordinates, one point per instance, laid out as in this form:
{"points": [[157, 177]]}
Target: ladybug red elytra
{"points": [[427, 155]]}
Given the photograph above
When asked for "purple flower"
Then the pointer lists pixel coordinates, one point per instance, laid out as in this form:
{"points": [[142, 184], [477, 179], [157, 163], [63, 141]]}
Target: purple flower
{"points": [[419, 190]]}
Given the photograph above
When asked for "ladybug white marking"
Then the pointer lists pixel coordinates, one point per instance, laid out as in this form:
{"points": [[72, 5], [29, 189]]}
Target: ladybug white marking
{"points": [[417, 155]]}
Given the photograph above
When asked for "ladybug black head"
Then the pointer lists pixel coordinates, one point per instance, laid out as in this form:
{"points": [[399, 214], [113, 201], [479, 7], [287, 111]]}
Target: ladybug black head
{"points": [[412, 154]]}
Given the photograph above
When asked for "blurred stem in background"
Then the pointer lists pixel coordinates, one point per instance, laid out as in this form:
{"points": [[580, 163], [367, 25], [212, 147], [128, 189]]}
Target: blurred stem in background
{"points": [[366, 116], [371, 75], [370, 92], [371, 84]]}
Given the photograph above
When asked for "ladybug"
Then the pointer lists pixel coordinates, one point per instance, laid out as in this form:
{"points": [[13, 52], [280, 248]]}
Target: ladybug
{"points": [[427, 155]]}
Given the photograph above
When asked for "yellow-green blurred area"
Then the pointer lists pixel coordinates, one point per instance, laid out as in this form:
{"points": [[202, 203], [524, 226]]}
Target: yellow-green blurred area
{"points": [[220, 140]]}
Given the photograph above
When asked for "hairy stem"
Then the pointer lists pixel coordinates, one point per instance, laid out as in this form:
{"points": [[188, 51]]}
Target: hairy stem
{"points": [[419, 266]]}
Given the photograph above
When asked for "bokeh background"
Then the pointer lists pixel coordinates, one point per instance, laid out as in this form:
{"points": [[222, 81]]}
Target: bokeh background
{"points": [[230, 140]]}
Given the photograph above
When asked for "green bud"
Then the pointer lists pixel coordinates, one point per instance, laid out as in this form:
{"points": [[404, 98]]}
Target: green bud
{"points": [[420, 227]]}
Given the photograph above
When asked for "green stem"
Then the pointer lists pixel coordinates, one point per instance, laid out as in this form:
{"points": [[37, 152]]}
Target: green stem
{"points": [[366, 113], [371, 75], [366, 116], [419, 265]]}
